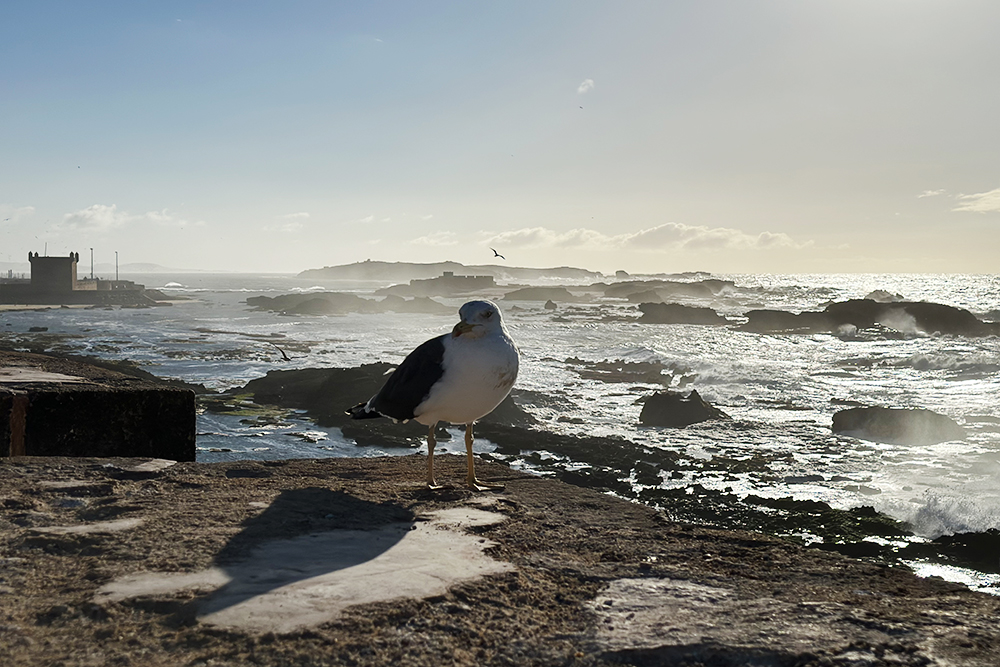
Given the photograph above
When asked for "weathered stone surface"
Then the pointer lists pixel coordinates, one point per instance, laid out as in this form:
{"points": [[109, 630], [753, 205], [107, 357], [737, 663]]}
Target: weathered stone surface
{"points": [[905, 426], [586, 578], [675, 313], [667, 408], [53, 406]]}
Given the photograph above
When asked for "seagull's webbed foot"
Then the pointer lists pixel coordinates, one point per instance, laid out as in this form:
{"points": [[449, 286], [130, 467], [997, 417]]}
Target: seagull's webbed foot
{"points": [[479, 485]]}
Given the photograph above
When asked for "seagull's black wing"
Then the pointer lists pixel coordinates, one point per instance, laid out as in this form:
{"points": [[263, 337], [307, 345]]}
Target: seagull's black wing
{"points": [[408, 385]]}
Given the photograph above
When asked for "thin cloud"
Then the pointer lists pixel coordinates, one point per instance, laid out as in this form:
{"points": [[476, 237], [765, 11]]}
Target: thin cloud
{"points": [[585, 87], [166, 219], [983, 202], [97, 218], [930, 193], [101, 218], [10, 214], [437, 239], [288, 223], [669, 236]]}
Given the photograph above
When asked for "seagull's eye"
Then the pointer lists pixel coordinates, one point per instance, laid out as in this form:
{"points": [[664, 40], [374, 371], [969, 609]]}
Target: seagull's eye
{"points": [[488, 314]]}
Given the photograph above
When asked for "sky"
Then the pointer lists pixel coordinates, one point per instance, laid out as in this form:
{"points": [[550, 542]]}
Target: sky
{"points": [[731, 136]]}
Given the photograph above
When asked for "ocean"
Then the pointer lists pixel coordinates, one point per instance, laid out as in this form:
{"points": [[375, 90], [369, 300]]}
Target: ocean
{"points": [[781, 390]]}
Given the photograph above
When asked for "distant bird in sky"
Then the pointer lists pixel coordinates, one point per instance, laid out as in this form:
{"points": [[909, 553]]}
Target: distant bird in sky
{"points": [[457, 377], [496, 254]]}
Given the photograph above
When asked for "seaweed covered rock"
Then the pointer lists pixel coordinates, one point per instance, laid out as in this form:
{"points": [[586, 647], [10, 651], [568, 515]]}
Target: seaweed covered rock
{"points": [[903, 426], [667, 408]]}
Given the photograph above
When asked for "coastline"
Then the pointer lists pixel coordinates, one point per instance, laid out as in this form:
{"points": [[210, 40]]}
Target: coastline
{"points": [[586, 578]]}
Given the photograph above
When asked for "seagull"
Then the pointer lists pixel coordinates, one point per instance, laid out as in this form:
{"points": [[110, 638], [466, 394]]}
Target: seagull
{"points": [[283, 355], [496, 254], [457, 377]]}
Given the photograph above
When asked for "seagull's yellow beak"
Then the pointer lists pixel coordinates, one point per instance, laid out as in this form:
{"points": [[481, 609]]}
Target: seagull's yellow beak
{"points": [[462, 327]]}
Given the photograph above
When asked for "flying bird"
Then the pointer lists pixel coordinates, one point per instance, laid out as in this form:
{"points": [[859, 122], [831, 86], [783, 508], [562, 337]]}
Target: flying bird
{"points": [[496, 254], [283, 355], [457, 377]]}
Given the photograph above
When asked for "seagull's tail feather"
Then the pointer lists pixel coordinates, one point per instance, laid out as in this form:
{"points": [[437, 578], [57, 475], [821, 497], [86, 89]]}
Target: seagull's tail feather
{"points": [[361, 411]]}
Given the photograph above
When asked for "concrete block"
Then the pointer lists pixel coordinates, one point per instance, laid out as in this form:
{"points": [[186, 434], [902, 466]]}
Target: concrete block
{"points": [[54, 406]]}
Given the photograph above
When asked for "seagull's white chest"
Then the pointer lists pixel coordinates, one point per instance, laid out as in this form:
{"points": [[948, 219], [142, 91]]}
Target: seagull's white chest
{"points": [[478, 375]]}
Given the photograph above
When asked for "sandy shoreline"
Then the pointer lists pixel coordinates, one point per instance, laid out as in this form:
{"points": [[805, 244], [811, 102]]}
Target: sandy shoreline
{"points": [[569, 576]]}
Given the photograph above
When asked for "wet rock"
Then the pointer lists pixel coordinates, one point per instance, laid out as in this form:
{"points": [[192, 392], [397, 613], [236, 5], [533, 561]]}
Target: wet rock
{"points": [[883, 296], [550, 305], [560, 294], [336, 303], [904, 426], [326, 394], [667, 408], [903, 316], [766, 320], [619, 370], [670, 288], [675, 313]]}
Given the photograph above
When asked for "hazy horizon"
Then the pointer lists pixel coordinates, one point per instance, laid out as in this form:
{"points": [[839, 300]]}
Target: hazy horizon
{"points": [[729, 136]]}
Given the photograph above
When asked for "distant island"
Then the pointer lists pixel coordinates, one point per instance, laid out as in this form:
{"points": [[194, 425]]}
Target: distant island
{"points": [[403, 271]]}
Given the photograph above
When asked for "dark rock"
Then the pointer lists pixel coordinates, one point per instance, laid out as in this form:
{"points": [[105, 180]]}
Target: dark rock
{"points": [[550, 305], [619, 370], [326, 394], [666, 408], [904, 316], [904, 426], [418, 304], [883, 296], [766, 320], [675, 313], [337, 303], [670, 288], [560, 294]]}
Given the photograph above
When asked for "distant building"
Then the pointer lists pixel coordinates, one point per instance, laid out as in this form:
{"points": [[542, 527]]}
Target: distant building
{"points": [[53, 280]]}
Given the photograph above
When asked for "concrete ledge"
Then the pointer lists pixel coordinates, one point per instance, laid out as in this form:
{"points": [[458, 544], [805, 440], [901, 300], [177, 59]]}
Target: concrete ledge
{"points": [[53, 406]]}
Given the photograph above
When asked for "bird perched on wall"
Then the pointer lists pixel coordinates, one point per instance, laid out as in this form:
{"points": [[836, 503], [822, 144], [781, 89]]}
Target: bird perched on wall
{"points": [[457, 377]]}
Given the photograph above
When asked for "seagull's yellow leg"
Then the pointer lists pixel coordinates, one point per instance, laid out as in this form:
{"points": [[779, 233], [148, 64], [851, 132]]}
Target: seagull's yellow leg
{"points": [[431, 442], [474, 483]]}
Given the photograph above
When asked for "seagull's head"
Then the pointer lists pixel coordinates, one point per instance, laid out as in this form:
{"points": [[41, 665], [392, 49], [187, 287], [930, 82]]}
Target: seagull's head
{"points": [[478, 319]]}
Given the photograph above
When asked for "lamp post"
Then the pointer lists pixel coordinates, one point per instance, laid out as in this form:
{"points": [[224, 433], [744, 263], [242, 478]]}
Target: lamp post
{"points": [[116, 266], [91, 263]]}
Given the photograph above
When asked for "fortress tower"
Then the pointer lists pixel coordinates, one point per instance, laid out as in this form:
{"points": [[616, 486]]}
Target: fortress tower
{"points": [[53, 274]]}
